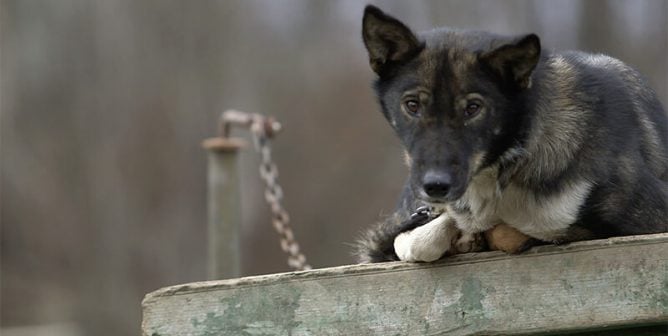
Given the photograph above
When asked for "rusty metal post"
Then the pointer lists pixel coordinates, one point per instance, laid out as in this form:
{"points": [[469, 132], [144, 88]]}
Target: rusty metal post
{"points": [[224, 207]]}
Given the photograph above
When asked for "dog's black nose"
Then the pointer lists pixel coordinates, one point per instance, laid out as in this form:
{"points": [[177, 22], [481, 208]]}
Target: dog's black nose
{"points": [[436, 184]]}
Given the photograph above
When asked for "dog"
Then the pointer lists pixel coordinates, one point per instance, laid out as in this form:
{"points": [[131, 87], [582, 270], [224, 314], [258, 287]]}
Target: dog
{"points": [[509, 144]]}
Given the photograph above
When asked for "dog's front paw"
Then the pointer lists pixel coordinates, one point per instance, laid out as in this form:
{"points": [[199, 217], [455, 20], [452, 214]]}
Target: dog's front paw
{"points": [[427, 242]]}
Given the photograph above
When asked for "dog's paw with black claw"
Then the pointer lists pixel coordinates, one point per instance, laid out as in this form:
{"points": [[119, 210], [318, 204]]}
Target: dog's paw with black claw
{"points": [[419, 217], [428, 241]]}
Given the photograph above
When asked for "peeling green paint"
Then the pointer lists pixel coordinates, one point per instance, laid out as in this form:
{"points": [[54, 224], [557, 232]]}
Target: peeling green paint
{"points": [[472, 294], [252, 312], [566, 285], [470, 307]]}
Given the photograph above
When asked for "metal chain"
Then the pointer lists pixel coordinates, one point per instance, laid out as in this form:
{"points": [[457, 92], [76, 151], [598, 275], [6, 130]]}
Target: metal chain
{"points": [[262, 129]]}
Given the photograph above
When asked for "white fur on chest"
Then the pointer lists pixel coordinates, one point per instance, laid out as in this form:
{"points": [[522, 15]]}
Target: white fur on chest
{"points": [[542, 217]]}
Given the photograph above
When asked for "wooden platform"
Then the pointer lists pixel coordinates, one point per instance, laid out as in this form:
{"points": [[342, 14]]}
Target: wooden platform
{"points": [[582, 287]]}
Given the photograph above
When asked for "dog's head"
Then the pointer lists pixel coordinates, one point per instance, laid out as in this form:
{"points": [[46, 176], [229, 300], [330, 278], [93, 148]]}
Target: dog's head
{"points": [[454, 98]]}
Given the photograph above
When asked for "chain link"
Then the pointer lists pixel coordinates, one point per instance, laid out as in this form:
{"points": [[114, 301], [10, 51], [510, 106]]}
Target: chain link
{"points": [[262, 129]]}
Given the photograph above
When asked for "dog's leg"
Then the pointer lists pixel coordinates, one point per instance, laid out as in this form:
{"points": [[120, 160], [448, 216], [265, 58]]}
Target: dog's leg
{"points": [[428, 242], [507, 239]]}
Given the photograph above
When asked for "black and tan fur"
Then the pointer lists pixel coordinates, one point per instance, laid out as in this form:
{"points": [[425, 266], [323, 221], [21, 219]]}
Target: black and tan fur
{"points": [[560, 146]]}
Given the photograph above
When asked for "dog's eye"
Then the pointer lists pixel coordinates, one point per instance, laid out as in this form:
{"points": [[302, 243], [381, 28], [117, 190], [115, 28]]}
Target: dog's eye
{"points": [[471, 109], [412, 107]]}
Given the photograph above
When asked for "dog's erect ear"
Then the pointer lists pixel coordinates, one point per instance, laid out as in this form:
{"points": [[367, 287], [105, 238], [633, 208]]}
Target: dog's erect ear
{"points": [[386, 39], [515, 60]]}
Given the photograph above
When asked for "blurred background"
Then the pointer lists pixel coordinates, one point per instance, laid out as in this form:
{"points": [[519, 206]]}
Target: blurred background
{"points": [[105, 102]]}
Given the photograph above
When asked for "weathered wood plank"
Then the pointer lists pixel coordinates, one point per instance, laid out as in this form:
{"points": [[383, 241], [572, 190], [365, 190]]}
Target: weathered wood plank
{"points": [[657, 330], [550, 289]]}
